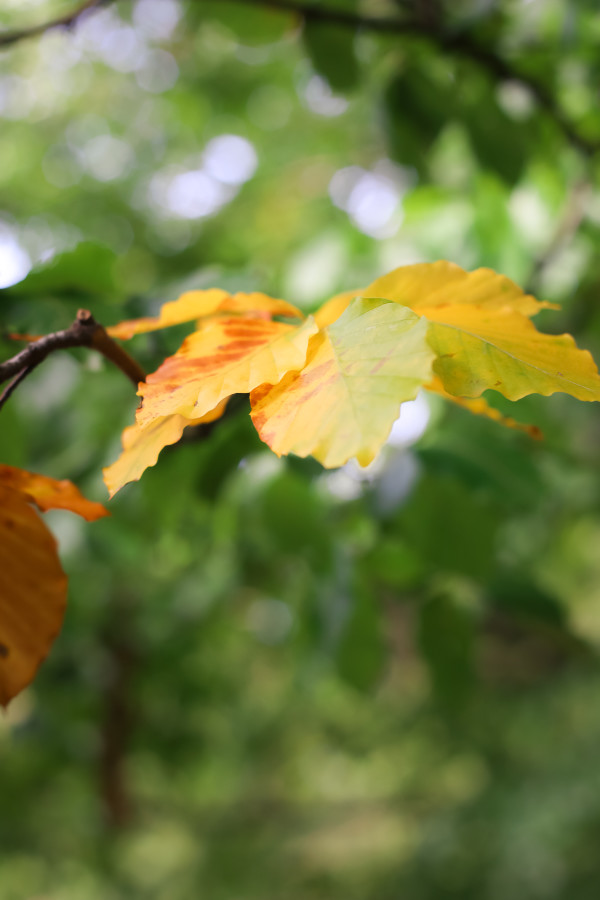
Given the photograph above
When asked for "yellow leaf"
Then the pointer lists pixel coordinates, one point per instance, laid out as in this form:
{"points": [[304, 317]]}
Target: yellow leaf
{"points": [[429, 285], [346, 398], [481, 407], [227, 356], [142, 445], [198, 304], [479, 349], [33, 590], [48, 493]]}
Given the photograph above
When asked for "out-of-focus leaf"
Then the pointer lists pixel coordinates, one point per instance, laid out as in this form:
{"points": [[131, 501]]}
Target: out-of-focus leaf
{"points": [[198, 304], [451, 529], [345, 400], [48, 493], [501, 143], [416, 110], [361, 651], [33, 590], [295, 517], [142, 445], [481, 407], [446, 638], [251, 24], [86, 270], [332, 53], [226, 356]]}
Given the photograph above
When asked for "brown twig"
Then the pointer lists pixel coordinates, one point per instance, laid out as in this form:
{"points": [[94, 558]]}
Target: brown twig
{"points": [[67, 21], [84, 332]]}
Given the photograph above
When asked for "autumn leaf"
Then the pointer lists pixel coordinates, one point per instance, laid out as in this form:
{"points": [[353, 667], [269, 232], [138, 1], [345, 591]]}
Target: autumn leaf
{"points": [[47, 493], [481, 407], [33, 586], [226, 356], [143, 443], [481, 333], [346, 398], [199, 304]]}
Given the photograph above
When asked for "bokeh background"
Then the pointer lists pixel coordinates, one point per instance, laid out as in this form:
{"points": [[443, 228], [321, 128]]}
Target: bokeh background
{"points": [[275, 681]]}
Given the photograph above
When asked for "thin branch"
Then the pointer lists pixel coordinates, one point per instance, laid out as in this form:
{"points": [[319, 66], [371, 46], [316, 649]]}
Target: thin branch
{"points": [[566, 228], [67, 21], [84, 332]]}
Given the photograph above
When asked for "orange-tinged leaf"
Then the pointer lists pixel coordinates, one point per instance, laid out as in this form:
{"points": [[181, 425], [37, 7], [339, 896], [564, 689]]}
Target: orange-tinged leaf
{"points": [[430, 285], [142, 445], [33, 590], [198, 304], [348, 395], [227, 356], [48, 493], [481, 407], [480, 349]]}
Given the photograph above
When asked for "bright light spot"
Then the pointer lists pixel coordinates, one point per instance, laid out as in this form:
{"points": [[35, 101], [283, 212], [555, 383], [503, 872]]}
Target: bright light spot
{"points": [[230, 159], [121, 48], [396, 481], [158, 72], [515, 99], [321, 100], [372, 199], [269, 620], [343, 183], [107, 158], [269, 107], [531, 216], [316, 270], [411, 423], [189, 195], [156, 19], [14, 260]]}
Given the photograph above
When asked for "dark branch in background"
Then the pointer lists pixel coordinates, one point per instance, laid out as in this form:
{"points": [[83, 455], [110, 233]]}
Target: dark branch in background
{"points": [[67, 21], [461, 44], [427, 26], [567, 226], [84, 332]]}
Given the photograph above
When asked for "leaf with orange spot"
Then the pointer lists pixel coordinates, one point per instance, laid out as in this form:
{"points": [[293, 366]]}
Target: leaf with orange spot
{"points": [[199, 304], [481, 407], [33, 586], [346, 398], [48, 493], [143, 443], [227, 356]]}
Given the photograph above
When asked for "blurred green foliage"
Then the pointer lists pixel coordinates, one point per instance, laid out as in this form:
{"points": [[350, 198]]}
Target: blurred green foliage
{"points": [[276, 681]]}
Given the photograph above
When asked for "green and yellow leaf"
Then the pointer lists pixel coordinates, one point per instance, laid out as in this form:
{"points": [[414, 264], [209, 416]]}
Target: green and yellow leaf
{"points": [[346, 398], [481, 407]]}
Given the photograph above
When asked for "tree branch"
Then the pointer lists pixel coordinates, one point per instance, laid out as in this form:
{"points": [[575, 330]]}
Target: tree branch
{"points": [[84, 332], [67, 21], [461, 44]]}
